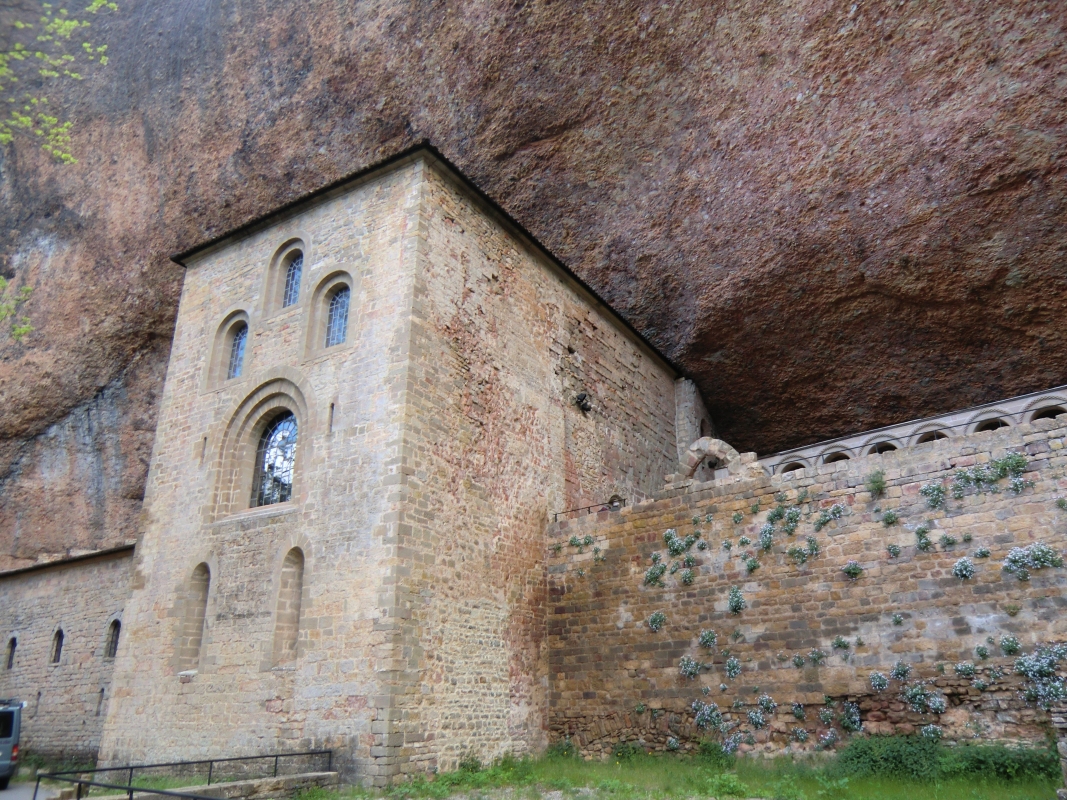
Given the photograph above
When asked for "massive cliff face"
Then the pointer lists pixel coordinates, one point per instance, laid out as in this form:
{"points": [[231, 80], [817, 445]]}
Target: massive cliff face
{"points": [[835, 215]]}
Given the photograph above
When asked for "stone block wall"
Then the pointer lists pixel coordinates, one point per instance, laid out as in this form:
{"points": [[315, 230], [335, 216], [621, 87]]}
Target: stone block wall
{"points": [[502, 343], [236, 697], [434, 445], [66, 702], [612, 678]]}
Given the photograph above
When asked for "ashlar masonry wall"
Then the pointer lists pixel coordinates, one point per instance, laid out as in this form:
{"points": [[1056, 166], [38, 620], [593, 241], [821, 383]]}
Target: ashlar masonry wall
{"points": [[502, 344], [614, 679], [66, 702], [239, 697], [434, 445]]}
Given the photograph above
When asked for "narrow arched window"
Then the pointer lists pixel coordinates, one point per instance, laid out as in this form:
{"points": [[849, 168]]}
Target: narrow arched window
{"points": [[57, 646], [112, 647], [292, 281], [274, 462], [195, 616], [11, 645], [237, 351], [337, 320], [287, 616]]}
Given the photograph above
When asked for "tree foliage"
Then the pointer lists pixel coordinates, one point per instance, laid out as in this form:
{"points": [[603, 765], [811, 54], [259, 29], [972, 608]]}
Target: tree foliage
{"points": [[43, 46]]}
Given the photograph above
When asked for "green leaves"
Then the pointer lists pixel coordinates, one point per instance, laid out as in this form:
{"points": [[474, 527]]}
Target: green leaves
{"points": [[54, 57]]}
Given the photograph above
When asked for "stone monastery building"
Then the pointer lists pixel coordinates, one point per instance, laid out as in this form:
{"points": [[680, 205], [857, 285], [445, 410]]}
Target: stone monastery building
{"points": [[378, 398]]}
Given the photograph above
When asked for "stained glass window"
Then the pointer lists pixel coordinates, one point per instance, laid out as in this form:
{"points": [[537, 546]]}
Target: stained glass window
{"points": [[274, 462], [292, 280], [337, 322], [237, 351]]}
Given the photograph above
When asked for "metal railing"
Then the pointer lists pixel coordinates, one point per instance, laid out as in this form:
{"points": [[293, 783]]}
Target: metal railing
{"points": [[615, 504], [230, 769]]}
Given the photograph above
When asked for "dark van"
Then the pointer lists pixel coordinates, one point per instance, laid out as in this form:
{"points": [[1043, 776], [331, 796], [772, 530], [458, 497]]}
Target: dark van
{"points": [[10, 722]]}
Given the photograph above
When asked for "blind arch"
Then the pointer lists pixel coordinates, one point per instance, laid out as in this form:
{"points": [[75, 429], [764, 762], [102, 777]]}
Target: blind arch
{"points": [[195, 618], [287, 611]]}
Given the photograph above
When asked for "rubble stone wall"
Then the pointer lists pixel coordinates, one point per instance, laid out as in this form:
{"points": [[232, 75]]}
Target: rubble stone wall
{"points": [[614, 679], [66, 702]]}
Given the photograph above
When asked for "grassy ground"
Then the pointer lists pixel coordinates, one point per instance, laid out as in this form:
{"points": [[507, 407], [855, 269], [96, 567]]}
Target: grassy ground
{"points": [[663, 778]]}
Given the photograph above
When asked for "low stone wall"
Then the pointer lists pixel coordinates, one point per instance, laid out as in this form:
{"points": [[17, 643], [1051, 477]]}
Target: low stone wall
{"points": [[281, 786], [1059, 724], [614, 679]]}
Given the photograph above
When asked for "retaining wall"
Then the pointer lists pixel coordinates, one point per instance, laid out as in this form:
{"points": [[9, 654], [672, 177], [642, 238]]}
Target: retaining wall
{"points": [[613, 679]]}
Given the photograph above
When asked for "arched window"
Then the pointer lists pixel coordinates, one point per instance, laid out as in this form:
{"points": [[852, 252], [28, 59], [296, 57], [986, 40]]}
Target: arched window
{"points": [[287, 616], [195, 616], [931, 436], [273, 482], [991, 425], [1048, 413], [237, 351], [833, 458], [57, 646], [882, 447], [337, 319], [792, 466], [11, 645], [112, 647], [292, 280]]}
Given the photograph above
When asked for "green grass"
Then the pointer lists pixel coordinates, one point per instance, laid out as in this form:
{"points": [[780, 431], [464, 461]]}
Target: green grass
{"points": [[664, 777]]}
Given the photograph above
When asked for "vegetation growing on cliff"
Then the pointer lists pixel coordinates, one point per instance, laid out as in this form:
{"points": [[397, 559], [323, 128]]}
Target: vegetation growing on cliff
{"points": [[46, 45]]}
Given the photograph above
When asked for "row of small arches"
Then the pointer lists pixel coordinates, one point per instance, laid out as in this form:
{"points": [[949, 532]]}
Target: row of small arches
{"points": [[335, 294], [286, 613], [832, 456], [59, 638]]}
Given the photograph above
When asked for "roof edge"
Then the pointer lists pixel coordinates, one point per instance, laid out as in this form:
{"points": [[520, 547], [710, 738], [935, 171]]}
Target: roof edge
{"points": [[424, 146], [63, 562]]}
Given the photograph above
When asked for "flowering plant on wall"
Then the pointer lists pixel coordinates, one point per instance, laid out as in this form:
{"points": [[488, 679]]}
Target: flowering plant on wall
{"points": [[1021, 561], [736, 602]]}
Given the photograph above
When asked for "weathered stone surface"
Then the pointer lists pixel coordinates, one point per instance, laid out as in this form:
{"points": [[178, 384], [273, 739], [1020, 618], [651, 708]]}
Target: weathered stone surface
{"points": [[66, 702], [835, 217], [434, 442], [605, 662], [254, 789]]}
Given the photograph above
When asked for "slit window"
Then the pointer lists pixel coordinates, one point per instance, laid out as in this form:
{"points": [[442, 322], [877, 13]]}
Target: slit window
{"points": [[112, 647], [237, 351], [57, 646], [11, 646], [275, 457], [337, 319], [292, 281]]}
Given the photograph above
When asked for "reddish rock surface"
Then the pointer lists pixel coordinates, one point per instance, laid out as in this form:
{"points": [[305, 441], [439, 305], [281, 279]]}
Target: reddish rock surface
{"points": [[834, 215]]}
